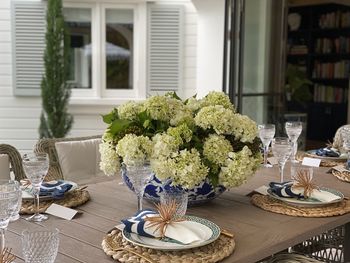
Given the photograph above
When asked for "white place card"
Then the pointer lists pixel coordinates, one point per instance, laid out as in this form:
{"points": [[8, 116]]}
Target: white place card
{"points": [[272, 160], [311, 162], [340, 168], [61, 211], [262, 190]]}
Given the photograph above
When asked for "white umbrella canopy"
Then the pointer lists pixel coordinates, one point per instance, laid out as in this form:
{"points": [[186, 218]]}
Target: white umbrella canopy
{"points": [[113, 52]]}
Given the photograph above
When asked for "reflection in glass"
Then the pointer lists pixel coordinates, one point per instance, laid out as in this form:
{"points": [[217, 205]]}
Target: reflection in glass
{"points": [[119, 48], [78, 22]]}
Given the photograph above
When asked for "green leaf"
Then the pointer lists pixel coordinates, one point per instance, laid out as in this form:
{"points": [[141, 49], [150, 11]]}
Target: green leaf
{"points": [[119, 125], [172, 94], [214, 179], [108, 118]]}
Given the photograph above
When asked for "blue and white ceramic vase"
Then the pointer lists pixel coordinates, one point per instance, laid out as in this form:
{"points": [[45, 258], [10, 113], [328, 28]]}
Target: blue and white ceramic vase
{"points": [[202, 193]]}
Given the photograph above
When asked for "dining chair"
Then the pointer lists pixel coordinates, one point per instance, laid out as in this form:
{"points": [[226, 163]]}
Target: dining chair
{"points": [[15, 160], [69, 157], [338, 138]]}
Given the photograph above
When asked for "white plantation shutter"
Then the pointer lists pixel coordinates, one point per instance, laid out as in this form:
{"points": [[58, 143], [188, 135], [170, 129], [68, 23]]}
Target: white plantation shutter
{"points": [[165, 34], [28, 36]]}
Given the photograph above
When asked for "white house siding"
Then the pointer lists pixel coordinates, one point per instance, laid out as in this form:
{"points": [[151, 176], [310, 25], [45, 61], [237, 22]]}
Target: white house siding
{"points": [[19, 116]]}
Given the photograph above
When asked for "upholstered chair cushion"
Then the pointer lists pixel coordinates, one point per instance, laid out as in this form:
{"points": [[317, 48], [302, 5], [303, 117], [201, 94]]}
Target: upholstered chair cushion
{"points": [[79, 160]]}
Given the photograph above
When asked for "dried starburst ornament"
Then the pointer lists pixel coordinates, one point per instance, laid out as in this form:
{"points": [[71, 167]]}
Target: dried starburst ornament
{"points": [[166, 216], [6, 256], [303, 179]]}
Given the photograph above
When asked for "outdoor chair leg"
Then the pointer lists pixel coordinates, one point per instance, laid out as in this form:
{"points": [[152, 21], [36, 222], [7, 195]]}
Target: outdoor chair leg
{"points": [[347, 243]]}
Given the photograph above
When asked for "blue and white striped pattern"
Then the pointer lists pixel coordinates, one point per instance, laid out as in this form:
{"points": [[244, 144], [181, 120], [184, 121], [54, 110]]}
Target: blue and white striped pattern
{"points": [[284, 190], [56, 189], [136, 224]]}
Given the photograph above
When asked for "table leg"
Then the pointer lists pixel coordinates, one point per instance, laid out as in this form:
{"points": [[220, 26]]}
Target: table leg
{"points": [[347, 243]]}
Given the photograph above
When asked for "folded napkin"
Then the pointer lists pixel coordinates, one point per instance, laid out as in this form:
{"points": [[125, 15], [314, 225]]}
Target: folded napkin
{"points": [[328, 152], [55, 189], [286, 190], [185, 232]]}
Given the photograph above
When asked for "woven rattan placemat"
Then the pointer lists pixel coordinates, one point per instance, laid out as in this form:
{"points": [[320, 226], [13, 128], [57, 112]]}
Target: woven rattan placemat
{"points": [[121, 250], [343, 176], [71, 199], [273, 205]]}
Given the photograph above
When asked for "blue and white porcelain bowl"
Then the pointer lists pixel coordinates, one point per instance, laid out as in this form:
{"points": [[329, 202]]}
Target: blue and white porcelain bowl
{"points": [[202, 193]]}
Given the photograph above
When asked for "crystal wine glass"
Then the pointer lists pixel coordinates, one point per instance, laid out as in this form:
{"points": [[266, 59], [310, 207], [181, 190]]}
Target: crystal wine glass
{"points": [[138, 176], [345, 132], [266, 134], [281, 148], [8, 203], [36, 166], [40, 245], [293, 130]]}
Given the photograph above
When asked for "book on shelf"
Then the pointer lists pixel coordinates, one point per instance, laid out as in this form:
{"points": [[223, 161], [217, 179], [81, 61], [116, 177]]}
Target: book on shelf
{"points": [[337, 70], [330, 94], [337, 19], [340, 45], [298, 50]]}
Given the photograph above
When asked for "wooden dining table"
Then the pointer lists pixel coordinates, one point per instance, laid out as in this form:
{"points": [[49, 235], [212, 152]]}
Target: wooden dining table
{"points": [[258, 233]]}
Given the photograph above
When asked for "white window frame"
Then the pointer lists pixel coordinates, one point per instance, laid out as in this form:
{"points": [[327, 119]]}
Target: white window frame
{"points": [[98, 92]]}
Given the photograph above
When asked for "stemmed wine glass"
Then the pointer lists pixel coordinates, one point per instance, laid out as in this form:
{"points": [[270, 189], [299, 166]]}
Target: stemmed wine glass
{"points": [[293, 130], [36, 166], [138, 175], [266, 134], [345, 132], [281, 148], [8, 203]]}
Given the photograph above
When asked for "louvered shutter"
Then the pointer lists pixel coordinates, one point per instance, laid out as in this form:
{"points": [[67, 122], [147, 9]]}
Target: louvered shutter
{"points": [[28, 36], [165, 37]]}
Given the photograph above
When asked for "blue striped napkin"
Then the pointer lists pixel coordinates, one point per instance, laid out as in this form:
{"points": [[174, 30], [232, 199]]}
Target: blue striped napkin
{"points": [[55, 189], [185, 232], [285, 190]]}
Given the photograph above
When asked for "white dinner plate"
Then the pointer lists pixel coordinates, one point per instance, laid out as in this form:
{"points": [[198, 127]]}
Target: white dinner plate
{"points": [[26, 193], [312, 153], [309, 202], [208, 230]]}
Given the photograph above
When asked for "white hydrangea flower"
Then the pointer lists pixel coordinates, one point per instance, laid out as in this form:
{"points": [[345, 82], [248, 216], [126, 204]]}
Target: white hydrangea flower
{"points": [[180, 133], [238, 167], [110, 162], [164, 145], [129, 110], [217, 98], [157, 107], [244, 129], [134, 149], [182, 115], [216, 149], [184, 168], [216, 117], [193, 104]]}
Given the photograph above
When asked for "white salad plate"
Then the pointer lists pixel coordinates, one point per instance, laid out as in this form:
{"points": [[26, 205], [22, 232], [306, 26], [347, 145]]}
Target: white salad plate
{"points": [[309, 202], [27, 195], [207, 230]]}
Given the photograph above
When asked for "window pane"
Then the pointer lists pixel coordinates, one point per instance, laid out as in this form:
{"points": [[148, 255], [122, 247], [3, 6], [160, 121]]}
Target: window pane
{"points": [[119, 48], [78, 21]]}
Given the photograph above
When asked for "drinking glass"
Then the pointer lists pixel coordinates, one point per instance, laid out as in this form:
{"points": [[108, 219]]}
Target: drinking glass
{"points": [[345, 132], [15, 213], [266, 134], [295, 168], [281, 148], [175, 194], [293, 130], [36, 166], [8, 202], [138, 176], [40, 246]]}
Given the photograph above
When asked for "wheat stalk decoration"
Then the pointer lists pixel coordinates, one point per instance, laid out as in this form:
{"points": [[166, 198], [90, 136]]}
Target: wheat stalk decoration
{"points": [[303, 180], [166, 217], [6, 256]]}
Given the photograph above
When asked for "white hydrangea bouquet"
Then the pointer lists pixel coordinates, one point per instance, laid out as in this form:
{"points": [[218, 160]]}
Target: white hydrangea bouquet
{"points": [[185, 141]]}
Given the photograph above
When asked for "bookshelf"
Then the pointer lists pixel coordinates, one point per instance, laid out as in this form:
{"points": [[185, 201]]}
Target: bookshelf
{"points": [[320, 47]]}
